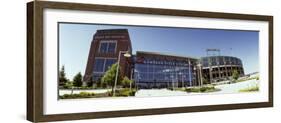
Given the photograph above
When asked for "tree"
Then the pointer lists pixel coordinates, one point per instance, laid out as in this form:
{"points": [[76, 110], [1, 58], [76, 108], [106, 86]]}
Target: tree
{"points": [[109, 77], [126, 82], [99, 83], [77, 80], [235, 74], [205, 81], [69, 85], [91, 82], [62, 78]]}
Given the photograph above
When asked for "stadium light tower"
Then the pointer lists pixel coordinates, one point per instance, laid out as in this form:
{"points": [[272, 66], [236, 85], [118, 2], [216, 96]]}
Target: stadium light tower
{"points": [[213, 52]]}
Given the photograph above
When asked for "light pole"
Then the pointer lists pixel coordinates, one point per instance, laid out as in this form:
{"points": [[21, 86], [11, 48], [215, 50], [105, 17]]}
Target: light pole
{"points": [[131, 80], [189, 72], [184, 77], [200, 74], [177, 78], [136, 79], [127, 54], [172, 76], [182, 83]]}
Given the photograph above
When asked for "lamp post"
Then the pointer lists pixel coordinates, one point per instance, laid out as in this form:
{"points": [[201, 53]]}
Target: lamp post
{"points": [[189, 72], [172, 76], [182, 79], [131, 76], [182, 83], [177, 78], [136, 74], [127, 54], [200, 74]]}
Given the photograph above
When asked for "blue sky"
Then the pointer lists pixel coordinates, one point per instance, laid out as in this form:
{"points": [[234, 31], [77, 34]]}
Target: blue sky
{"points": [[75, 40]]}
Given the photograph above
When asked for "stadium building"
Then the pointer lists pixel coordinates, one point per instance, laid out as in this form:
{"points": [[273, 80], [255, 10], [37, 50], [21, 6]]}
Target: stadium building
{"points": [[151, 69], [218, 68]]}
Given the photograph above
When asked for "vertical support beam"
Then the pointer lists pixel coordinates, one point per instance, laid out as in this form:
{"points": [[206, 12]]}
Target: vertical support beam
{"points": [[210, 69], [189, 72], [218, 63]]}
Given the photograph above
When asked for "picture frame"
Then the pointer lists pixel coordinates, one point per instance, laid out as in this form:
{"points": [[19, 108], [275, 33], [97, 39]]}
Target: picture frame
{"points": [[36, 46]]}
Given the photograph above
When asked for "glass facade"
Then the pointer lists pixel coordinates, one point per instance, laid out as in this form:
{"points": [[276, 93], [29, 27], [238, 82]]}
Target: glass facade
{"points": [[111, 47], [103, 47], [205, 62], [107, 47], [108, 63], [163, 72], [221, 61], [101, 65], [227, 60]]}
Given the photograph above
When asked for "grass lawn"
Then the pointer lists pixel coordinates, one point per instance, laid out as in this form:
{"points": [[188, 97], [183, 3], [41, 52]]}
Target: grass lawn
{"points": [[245, 79], [250, 89], [123, 92]]}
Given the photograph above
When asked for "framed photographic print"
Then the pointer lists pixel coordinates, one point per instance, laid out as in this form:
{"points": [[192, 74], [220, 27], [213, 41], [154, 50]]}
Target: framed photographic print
{"points": [[96, 61]]}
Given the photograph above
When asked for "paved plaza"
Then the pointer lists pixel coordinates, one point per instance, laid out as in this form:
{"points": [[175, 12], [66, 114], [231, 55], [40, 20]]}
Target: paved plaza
{"points": [[224, 89]]}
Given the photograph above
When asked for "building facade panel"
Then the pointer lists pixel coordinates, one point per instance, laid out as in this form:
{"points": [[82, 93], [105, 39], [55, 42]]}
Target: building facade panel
{"points": [[155, 70], [104, 52]]}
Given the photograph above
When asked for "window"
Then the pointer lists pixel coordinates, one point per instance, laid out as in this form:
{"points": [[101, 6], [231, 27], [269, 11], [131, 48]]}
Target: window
{"points": [[98, 67], [102, 64], [221, 62], [103, 47], [97, 76], [205, 62], [238, 62], [163, 73], [111, 47], [213, 61], [109, 63], [107, 47]]}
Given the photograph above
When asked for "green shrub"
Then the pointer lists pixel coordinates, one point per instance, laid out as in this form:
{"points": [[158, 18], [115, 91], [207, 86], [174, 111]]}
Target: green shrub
{"points": [[208, 88], [193, 89], [125, 92], [107, 94], [203, 89], [235, 75], [86, 94], [257, 78], [126, 82], [80, 95], [68, 85]]}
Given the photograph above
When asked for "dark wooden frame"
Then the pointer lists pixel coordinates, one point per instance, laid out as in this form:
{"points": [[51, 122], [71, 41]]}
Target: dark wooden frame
{"points": [[35, 60]]}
